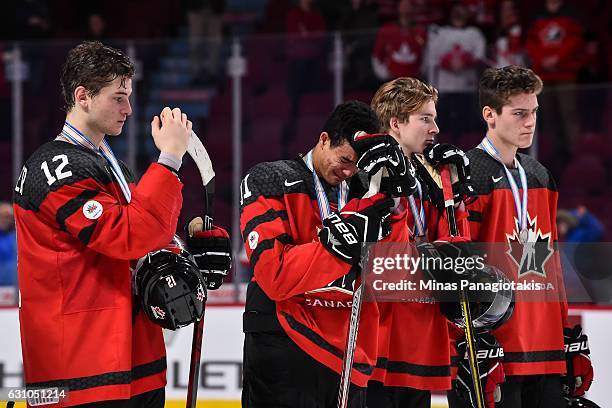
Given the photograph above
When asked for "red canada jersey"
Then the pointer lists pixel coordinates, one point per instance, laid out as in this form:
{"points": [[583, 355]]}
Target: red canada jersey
{"points": [[413, 348], [533, 337], [558, 36], [76, 236], [400, 49], [296, 279]]}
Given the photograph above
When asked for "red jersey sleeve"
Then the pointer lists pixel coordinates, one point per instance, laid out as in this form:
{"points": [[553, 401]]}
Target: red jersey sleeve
{"points": [[283, 249], [554, 197], [71, 189]]}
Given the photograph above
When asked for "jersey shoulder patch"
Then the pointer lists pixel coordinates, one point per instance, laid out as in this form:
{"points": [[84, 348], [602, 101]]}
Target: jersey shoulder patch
{"points": [[54, 165]]}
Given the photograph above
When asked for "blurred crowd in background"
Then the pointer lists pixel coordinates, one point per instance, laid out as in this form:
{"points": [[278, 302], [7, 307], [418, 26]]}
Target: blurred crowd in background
{"points": [[182, 48]]}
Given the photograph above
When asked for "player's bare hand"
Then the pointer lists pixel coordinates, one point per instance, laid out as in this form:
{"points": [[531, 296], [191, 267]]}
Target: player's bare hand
{"points": [[171, 131]]}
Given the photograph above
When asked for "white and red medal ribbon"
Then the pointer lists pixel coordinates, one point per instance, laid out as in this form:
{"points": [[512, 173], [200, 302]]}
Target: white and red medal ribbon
{"points": [[324, 208], [418, 213], [74, 136], [521, 205]]}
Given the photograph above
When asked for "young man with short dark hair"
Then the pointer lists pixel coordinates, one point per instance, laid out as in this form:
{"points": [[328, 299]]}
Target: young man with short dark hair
{"points": [[517, 206], [80, 219], [303, 236]]}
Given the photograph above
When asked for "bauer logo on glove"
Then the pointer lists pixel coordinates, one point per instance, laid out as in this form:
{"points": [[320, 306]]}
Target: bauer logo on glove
{"points": [[579, 375]]}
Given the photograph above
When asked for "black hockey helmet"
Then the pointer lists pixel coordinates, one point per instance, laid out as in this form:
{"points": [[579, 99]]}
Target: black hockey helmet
{"points": [[489, 309], [579, 402], [171, 288]]}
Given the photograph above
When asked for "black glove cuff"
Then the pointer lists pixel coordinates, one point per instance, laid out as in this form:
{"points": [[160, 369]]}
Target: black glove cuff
{"points": [[398, 186], [576, 342]]}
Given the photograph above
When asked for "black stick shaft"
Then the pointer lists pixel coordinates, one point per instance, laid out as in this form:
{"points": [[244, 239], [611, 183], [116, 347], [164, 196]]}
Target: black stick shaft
{"points": [[449, 204]]}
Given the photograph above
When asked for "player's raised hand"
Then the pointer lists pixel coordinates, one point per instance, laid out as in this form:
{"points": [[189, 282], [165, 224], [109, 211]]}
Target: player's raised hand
{"points": [[171, 131], [359, 221], [377, 151]]}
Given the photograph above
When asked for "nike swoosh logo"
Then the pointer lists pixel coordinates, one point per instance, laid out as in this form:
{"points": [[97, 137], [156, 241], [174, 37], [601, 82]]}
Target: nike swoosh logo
{"points": [[289, 184], [495, 180]]}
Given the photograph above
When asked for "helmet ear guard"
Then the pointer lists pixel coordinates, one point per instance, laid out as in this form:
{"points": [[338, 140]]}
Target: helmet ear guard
{"points": [[170, 287]]}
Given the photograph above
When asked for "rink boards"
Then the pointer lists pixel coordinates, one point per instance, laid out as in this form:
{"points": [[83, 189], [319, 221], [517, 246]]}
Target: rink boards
{"points": [[220, 373]]}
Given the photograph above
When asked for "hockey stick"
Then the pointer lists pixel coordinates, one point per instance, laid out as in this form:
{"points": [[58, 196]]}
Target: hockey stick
{"points": [[449, 205], [202, 160], [353, 329], [351, 342]]}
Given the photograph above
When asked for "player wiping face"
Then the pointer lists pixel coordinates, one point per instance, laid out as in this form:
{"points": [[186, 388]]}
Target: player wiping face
{"points": [[334, 164]]}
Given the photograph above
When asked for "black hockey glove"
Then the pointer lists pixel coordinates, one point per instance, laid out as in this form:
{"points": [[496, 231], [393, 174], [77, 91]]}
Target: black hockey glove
{"points": [[211, 250], [359, 221], [453, 253], [490, 355], [376, 151], [441, 154], [579, 369]]}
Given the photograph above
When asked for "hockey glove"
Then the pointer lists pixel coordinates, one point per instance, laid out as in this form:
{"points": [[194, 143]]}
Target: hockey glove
{"points": [[211, 250], [376, 151], [489, 354], [453, 253], [361, 220], [579, 369], [441, 154]]}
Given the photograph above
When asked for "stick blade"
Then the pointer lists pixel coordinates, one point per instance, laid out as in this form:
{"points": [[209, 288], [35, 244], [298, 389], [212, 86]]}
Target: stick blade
{"points": [[200, 156]]}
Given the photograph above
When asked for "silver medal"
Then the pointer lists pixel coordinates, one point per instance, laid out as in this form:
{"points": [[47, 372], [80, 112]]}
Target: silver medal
{"points": [[523, 235]]}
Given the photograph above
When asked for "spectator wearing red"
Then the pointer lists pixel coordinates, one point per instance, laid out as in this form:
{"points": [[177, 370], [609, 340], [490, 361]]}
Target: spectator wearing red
{"points": [[556, 45], [398, 50]]}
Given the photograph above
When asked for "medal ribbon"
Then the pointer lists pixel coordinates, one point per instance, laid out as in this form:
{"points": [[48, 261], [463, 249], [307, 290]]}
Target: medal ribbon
{"points": [[74, 136], [521, 205], [418, 213], [324, 209]]}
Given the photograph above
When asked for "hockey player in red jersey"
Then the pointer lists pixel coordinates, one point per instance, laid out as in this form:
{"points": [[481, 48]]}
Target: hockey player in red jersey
{"points": [[517, 204], [298, 302], [410, 367], [80, 219]]}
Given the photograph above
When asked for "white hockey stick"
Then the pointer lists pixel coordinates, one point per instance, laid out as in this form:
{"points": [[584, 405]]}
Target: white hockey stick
{"points": [[200, 156], [353, 329]]}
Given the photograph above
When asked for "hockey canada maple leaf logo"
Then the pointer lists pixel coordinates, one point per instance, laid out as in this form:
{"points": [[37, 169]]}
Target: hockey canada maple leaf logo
{"points": [[529, 256]]}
